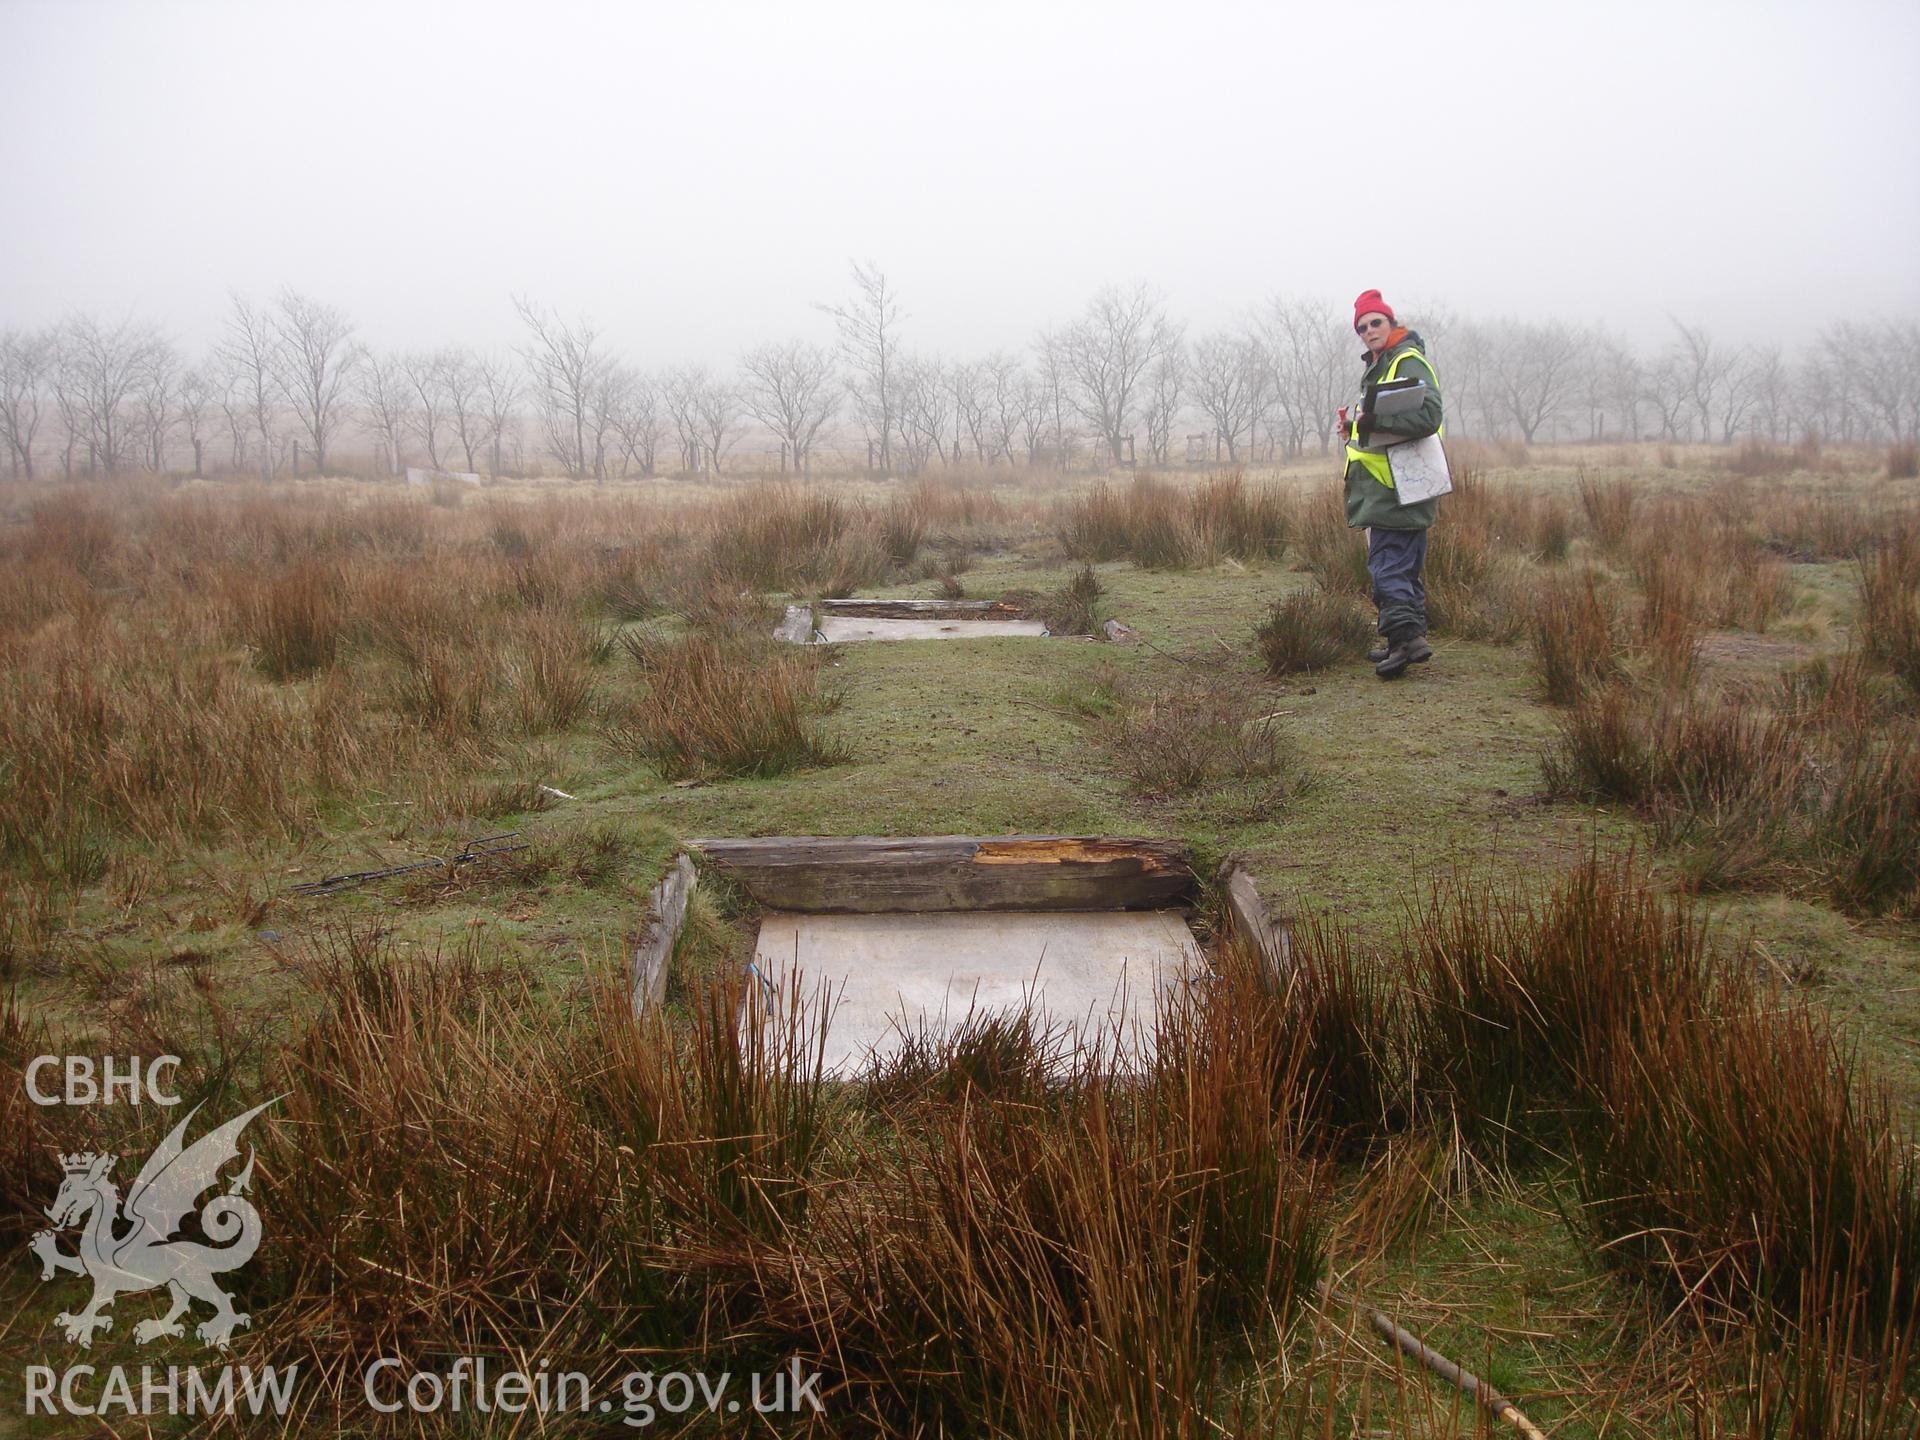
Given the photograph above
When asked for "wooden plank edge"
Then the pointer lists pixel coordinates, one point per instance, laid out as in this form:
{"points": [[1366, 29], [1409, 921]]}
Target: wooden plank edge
{"points": [[1250, 920], [666, 918], [1161, 870]]}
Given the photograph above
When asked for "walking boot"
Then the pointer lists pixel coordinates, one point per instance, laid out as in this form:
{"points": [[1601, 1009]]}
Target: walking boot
{"points": [[1414, 650], [1379, 650]]}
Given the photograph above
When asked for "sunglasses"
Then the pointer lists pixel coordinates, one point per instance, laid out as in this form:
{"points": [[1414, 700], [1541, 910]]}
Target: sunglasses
{"points": [[1365, 325]]}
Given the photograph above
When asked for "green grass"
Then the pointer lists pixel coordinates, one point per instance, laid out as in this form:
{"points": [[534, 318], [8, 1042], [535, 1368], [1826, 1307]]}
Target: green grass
{"points": [[1436, 771], [970, 737]]}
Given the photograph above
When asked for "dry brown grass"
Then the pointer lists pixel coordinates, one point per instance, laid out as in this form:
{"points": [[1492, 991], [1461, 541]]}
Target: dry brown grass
{"points": [[579, 1184], [598, 1185], [1699, 557], [1817, 792], [1819, 525], [1754, 458], [1073, 609], [1888, 592], [292, 622], [1479, 585], [1713, 1131], [591, 1186], [1335, 555], [1309, 630], [1576, 637], [808, 541], [726, 705], [1161, 527], [259, 660], [1608, 505], [1199, 730]]}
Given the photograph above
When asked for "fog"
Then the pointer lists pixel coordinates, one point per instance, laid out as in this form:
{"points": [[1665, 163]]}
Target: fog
{"points": [[697, 178]]}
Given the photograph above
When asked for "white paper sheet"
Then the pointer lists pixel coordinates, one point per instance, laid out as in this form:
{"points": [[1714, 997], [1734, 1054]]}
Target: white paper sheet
{"points": [[1420, 470]]}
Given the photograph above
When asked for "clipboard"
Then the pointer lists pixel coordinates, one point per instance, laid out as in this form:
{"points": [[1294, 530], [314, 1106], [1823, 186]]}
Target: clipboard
{"points": [[1397, 397], [1419, 470]]}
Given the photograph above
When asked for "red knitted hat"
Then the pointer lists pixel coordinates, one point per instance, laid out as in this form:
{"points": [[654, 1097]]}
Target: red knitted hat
{"points": [[1370, 303]]}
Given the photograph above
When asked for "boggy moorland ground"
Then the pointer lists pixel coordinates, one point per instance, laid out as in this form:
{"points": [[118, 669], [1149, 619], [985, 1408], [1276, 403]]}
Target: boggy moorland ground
{"points": [[1658, 790]]}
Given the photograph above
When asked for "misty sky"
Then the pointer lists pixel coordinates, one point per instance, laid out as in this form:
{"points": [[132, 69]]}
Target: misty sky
{"points": [[695, 176]]}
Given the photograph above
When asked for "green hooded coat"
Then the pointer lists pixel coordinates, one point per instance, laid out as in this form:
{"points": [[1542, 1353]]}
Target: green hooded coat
{"points": [[1371, 504]]}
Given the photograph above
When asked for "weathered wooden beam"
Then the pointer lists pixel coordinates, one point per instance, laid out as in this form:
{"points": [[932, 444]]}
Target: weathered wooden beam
{"points": [[1253, 923], [666, 916], [922, 609], [867, 874]]}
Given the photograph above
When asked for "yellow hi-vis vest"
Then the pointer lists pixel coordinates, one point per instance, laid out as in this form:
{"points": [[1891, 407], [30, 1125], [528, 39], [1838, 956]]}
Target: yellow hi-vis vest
{"points": [[1374, 462]]}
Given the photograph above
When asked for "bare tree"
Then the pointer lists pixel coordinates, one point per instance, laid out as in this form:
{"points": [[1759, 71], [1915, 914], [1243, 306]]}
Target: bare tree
{"points": [[197, 402], [1666, 391], [870, 341], [1737, 396], [465, 393], [1592, 384], [1310, 368], [1052, 384], [250, 352], [69, 398], [316, 363], [566, 365], [605, 402], [107, 362], [718, 407], [1166, 397], [387, 400], [1229, 384], [26, 362], [1534, 372], [1711, 376], [1833, 385], [926, 407], [1475, 404], [1772, 390], [682, 394], [230, 396], [1033, 414], [1882, 388], [500, 392], [636, 420], [157, 393], [791, 389], [425, 377], [1623, 385], [1107, 351], [973, 410], [1001, 381]]}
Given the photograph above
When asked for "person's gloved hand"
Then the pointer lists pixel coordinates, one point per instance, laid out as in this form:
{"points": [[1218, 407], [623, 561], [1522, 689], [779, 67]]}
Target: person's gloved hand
{"points": [[1364, 431]]}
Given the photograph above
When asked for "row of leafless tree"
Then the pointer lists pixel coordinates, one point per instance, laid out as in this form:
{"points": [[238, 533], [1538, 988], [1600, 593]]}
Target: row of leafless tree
{"points": [[287, 381]]}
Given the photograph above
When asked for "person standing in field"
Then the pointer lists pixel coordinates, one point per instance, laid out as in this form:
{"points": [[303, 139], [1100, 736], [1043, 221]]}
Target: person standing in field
{"points": [[1396, 533]]}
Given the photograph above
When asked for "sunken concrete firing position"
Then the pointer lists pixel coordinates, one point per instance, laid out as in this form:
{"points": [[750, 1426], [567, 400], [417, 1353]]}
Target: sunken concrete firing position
{"points": [[833, 622], [911, 934], [1101, 976]]}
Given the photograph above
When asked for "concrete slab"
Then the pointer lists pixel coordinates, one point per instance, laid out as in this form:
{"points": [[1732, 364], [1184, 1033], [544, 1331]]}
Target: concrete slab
{"points": [[1092, 971], [839, 629]]}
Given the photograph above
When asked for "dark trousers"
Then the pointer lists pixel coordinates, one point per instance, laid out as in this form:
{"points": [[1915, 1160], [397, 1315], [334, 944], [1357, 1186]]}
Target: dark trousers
{"points": [[1394, 560]]}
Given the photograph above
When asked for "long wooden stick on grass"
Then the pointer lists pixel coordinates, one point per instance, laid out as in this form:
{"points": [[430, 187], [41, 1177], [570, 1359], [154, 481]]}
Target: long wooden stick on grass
{"points": [[473, 850], [1469, 1384]]}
